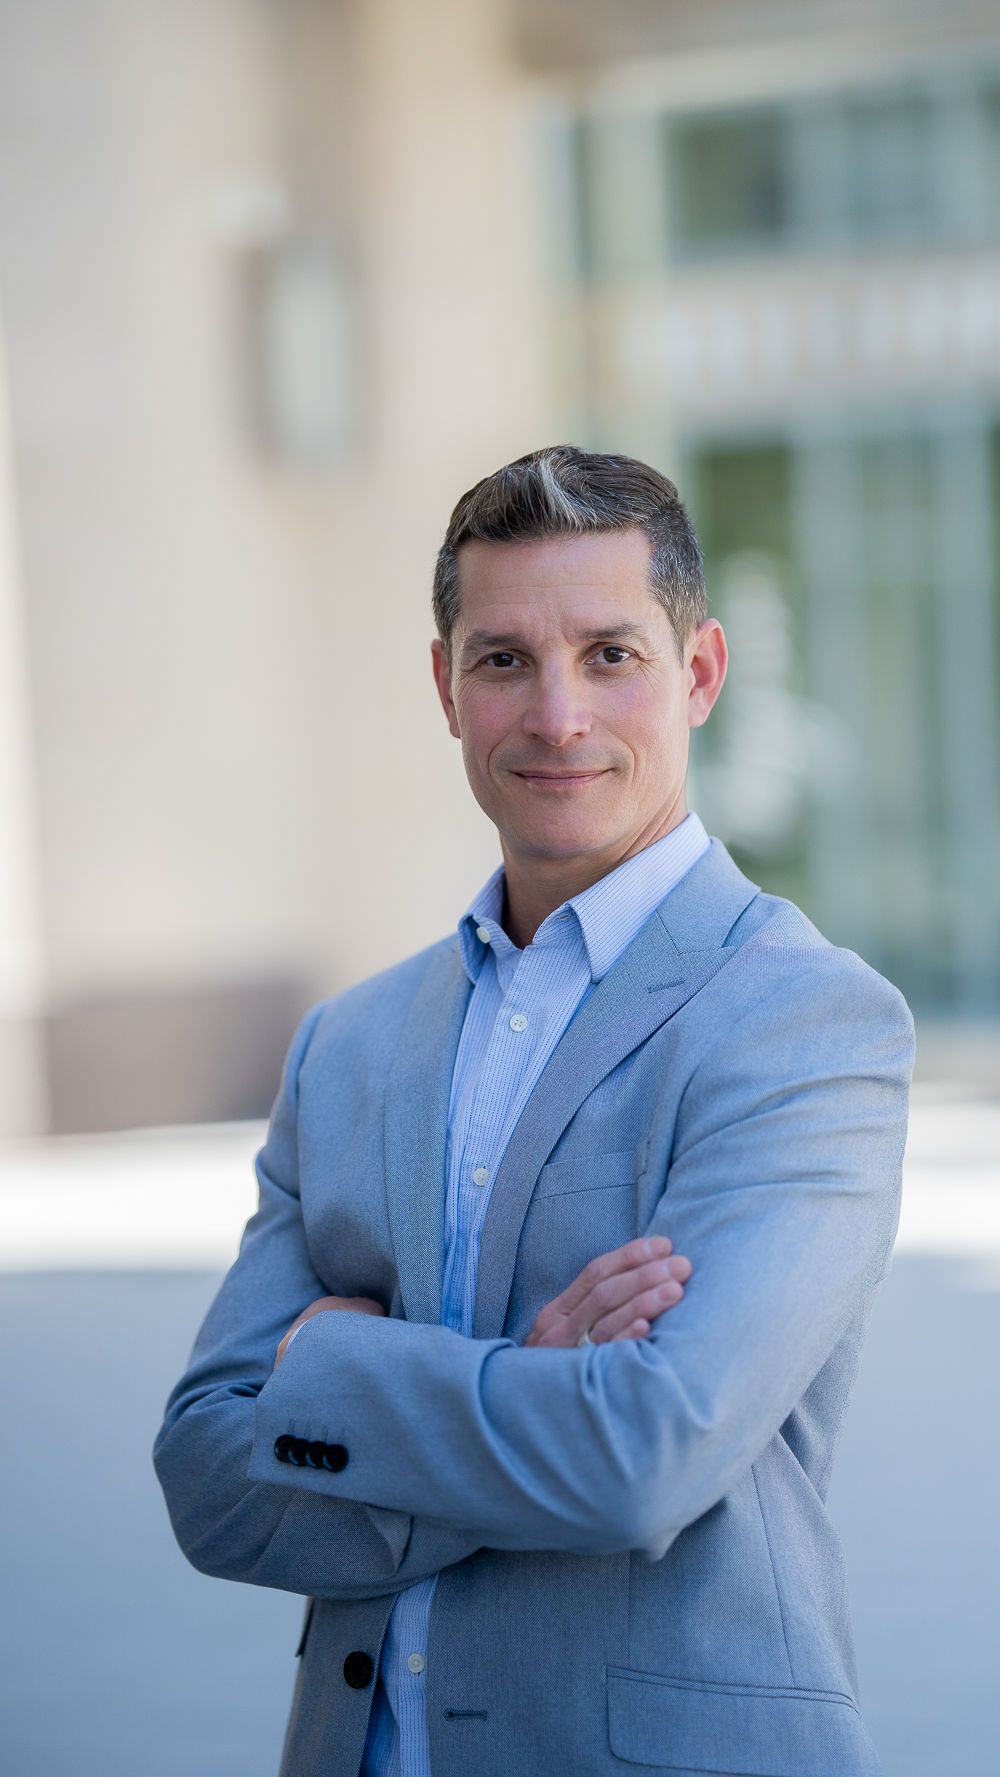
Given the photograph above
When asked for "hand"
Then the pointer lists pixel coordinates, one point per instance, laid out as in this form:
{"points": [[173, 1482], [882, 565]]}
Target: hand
{"points": [[356, 1304], [616, 1296]]}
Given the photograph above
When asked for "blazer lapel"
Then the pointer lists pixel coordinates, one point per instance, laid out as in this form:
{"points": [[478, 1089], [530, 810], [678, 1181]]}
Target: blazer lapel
{"points": [[676, 953], [418, 1091]]}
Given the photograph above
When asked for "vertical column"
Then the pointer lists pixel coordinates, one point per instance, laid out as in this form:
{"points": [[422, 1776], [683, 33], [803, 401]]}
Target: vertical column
{"points": [[629, 198], [902, 749], [826, 520], [23, 1097]]}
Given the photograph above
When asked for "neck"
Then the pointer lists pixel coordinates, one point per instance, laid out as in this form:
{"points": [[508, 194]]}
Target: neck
{"points": [[536, 885]]}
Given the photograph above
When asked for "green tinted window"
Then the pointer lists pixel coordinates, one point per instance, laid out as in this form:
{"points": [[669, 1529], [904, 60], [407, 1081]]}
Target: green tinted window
{"points": [[892, 191], [836, 169], [728, 181], [852, 760]]}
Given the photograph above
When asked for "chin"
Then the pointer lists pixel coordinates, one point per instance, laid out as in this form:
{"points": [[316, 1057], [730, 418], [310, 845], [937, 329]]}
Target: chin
{"points": [[552, 842]]}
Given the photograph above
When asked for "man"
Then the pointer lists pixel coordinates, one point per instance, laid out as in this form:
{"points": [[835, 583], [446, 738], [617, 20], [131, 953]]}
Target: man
{"points": [[560, 1510]]}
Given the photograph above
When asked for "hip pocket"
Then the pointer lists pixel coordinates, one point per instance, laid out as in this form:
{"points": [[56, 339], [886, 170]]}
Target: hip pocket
{"points": [[753, 1730]]}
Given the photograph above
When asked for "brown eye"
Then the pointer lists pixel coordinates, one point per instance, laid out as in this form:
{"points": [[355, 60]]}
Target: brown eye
{"points": [[501, 660], [612, 649]]}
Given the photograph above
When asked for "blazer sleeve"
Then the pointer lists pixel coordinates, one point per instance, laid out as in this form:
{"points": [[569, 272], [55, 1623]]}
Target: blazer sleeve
{"points": [[239, 1527], [783, 1190]]}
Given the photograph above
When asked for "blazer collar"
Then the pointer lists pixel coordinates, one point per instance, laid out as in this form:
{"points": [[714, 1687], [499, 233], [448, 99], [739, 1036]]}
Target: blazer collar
{"points": [[679, 949], [701, 911]]}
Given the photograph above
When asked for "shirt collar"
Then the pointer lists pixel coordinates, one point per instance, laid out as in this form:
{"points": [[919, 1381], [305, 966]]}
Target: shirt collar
{"points": [[608, 915], [483, 914]]}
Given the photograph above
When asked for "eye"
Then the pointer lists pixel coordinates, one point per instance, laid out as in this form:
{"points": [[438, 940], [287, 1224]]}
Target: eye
{"points": [[502, 661], [613, 655]]}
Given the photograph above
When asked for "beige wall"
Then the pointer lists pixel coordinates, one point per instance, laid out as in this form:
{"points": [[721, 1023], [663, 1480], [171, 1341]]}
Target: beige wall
{"points": [[245, 795]]}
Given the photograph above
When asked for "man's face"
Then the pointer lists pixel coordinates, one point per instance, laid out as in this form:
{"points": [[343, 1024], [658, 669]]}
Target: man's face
{"points": [[566, 692]]}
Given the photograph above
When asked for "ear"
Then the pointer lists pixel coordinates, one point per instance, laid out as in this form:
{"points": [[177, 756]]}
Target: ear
{"points": [[708, 659], [442, 679]]}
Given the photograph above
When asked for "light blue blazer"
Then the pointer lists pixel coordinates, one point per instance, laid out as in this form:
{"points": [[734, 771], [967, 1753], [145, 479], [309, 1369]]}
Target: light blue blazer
{"points": [[637, 1570]]}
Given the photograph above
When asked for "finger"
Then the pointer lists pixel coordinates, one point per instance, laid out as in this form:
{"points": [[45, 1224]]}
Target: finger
{"points": [[648, 1306], [283, 1343], [320, 1306], [615, 1292], [612, 1264], [552, 1317], [553, 1326], [639, 1329]]}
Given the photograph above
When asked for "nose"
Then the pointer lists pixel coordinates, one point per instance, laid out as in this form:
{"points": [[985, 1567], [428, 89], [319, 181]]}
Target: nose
{"points": [[555, 714]]}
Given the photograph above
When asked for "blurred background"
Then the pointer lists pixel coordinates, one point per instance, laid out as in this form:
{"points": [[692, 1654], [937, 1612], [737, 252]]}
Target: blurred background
{"points": [[279, 279]]}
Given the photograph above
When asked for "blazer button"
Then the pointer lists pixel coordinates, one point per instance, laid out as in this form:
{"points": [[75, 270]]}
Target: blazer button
{"points": [[297, 1448], [282, 1446], [334, 1458], [359, 1670], [314, 1454]]}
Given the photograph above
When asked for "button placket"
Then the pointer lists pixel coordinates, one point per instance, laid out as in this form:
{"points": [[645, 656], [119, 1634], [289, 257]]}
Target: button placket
{"points": [[472, 1166]]}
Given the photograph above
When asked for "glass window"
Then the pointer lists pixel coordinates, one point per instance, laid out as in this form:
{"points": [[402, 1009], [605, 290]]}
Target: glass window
{"points": [[852, 760], [728, 181], [892, 191]]}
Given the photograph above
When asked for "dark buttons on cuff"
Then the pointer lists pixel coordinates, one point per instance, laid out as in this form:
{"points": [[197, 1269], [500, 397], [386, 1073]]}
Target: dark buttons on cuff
{"points": [[306, 1453], [359, 1670]]}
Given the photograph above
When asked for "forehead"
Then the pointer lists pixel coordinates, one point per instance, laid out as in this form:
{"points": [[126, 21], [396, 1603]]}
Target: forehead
{"points": [[600, 575]]}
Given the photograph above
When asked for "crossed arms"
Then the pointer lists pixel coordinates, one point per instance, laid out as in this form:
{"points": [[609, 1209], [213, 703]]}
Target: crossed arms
{"points": [[783, 1189]]}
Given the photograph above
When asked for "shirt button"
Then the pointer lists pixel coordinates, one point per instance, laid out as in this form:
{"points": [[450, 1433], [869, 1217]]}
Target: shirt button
{"points": [[483, 934], [481, 1176], [519, 1022], [416, 1662]]}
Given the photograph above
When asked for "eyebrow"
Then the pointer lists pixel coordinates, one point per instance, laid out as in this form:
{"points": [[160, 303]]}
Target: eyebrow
{"points": [[612, 632]]}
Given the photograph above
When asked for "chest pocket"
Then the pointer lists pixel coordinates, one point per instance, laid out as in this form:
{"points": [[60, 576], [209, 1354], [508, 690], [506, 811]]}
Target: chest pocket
{"points": [[587, 1172], [581, 1206]]}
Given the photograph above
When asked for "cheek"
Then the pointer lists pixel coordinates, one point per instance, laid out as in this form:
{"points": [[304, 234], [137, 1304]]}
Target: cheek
{"points": [[484, 719], [644, 722]]}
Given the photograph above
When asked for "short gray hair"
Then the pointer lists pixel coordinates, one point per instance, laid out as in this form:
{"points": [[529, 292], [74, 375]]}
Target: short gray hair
{"points": [[564, 491]]}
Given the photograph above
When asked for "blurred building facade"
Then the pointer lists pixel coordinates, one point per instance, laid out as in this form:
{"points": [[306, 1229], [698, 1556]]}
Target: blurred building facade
{"points": [[787, 277], [277, 282], [267, 305]]}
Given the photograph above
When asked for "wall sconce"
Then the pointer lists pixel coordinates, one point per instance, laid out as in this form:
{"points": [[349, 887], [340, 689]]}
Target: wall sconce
{"points": [[301, 349]]}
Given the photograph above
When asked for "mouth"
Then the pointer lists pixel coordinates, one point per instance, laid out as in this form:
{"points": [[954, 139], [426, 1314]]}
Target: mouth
{"points": [[561, 780]]}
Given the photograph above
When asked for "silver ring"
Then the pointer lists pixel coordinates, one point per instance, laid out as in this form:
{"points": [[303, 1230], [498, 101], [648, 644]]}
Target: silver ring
{"points": [[585, 1338]]}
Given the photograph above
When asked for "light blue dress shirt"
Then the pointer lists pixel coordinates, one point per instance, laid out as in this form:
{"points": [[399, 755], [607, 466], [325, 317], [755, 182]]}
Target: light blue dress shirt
{"points": [[520, 1006]]}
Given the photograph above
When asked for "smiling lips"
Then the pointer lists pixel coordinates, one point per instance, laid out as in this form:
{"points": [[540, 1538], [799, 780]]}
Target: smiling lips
{"points": [[568, 780]]}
